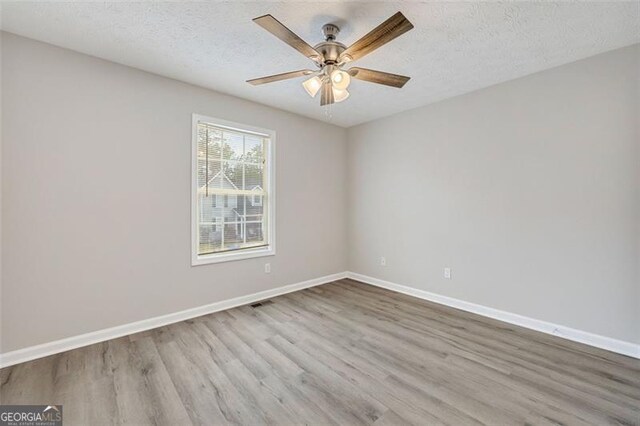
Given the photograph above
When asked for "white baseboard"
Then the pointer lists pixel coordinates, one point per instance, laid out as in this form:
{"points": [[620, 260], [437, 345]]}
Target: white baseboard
{"points": [[613, 345], [46, 349], [50, 348]]}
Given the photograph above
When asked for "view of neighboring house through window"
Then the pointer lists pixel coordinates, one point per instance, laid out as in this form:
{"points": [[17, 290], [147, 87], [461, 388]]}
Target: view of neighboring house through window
{"points": [[232, 191]]}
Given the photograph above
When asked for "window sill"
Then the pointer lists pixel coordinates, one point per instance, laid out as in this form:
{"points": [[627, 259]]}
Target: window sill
{"points": [[232, 256]]}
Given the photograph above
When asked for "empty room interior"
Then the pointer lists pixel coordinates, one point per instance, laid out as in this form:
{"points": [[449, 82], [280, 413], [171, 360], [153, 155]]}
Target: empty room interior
{"points": [[320, 213]]}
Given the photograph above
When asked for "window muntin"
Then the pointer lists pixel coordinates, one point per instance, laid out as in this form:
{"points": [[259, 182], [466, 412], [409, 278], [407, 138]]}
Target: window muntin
{"points": [[232, 172]]}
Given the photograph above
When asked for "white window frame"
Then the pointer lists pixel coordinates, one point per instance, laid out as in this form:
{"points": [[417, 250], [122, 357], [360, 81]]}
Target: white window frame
{"points": [[270, 212]]}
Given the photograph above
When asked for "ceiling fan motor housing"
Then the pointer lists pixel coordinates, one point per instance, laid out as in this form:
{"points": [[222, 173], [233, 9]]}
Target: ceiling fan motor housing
{"points": [[330, 49]]}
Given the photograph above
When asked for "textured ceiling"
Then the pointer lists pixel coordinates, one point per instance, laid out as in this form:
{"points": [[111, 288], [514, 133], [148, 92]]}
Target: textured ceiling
{"points": [[456, 47]]}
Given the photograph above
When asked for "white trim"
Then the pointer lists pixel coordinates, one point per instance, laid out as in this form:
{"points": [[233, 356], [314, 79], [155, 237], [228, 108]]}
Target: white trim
{"points": [[229, 256], [603, 342], [269, 180], [46, 349], [50, 348]]}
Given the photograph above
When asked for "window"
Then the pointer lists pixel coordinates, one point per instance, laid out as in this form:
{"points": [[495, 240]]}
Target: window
{"points": [[232, 191]]}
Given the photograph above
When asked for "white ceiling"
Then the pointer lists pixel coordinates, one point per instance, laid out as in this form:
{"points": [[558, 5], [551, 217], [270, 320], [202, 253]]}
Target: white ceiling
{"points": [[455, 47]]}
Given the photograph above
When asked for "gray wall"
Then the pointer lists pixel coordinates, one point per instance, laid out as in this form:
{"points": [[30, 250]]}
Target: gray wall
{"points": [[528, 190], [96, 196]]}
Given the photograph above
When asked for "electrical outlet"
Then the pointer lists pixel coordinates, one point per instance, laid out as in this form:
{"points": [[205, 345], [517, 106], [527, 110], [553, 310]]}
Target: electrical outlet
{"points": [[447, 273], [383, 261], [267, 268]]}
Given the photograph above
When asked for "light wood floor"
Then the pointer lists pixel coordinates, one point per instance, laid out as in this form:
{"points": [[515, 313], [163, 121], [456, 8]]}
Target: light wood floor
{"points": [[341, 353]]}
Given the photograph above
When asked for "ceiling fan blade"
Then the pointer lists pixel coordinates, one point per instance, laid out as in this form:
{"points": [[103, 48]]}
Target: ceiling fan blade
{"points": [[380, 77], [326, 97], [278, 77], [393, 27], [276, 28]]}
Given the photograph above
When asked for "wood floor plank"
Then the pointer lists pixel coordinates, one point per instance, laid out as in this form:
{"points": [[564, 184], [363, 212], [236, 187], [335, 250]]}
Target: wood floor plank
{"points": [[144, 391], [593, 375], [374, 387], [197, 391], [353, 406], [340, 353]]}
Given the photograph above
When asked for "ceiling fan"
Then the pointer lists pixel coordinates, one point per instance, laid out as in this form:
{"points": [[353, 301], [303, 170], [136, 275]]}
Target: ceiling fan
{"points": [[330, 56]]}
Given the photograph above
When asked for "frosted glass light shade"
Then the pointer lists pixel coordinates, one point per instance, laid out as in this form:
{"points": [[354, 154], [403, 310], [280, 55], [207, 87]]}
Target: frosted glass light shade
{"points": [[312, 86], [340, 80], [340, 95]]}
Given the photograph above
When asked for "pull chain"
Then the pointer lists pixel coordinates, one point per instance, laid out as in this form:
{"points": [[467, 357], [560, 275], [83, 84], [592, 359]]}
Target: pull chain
{"points": [[328, 112], [206, 162]]}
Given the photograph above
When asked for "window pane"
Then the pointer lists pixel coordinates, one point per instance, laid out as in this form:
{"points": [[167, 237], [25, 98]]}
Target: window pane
{"points": [[212, 148], [242, 235], [254, 233], [233, 235], [208, 171], [253, 149], [233, 172], [254, 208], [253, 177], [240, 209], [209, 239], [209, 208], [233, 146]]}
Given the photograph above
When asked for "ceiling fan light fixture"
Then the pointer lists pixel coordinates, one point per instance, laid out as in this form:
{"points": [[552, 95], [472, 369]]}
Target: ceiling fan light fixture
{"points": [[312, 86], [340, 95], [330, 56], [340, 79]]}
